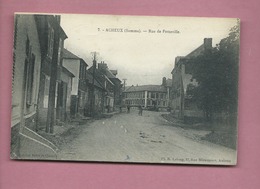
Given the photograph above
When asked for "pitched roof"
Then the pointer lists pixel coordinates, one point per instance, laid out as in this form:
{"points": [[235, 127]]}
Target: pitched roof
{"points": [[101, 74], [114, 72], [109, 74], [66, 71], [69, 55], [153, 88], [90, 79]]}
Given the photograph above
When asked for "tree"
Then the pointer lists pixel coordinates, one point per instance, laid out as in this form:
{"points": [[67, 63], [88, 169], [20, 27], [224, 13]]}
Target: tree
{"points": [[216, 72]]}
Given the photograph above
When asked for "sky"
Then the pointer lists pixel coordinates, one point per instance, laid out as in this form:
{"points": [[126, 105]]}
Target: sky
{"points": [[126, 45]]}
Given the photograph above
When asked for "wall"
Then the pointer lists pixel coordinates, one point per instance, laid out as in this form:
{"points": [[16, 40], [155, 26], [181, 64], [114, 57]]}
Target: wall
{"points": [[68, 80], [73, 66], [26, 27]]}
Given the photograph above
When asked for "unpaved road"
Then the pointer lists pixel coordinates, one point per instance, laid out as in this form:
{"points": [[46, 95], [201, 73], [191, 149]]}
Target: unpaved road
{"points": [[148, 138]]}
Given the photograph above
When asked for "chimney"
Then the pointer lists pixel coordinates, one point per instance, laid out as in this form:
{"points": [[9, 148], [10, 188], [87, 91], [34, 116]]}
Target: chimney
{"points": [[57, 18], [164, 81], [102, 66], [207, 43]]}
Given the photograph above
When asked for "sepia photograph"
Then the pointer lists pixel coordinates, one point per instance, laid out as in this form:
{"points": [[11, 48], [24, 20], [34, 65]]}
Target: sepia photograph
{"points": [[126, 89]]}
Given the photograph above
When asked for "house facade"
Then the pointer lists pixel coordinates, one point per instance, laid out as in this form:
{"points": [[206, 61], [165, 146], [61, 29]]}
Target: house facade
{"points": [[117, 88], [104, 76], [152, 97], [79, 91], [26, 69], [64, 95], [182, 104], [96, 94], [52, 39], [27, 65]]}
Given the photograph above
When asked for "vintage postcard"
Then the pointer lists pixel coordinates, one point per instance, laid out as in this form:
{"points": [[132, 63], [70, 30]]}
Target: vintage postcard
{"points": [[139, 89]]}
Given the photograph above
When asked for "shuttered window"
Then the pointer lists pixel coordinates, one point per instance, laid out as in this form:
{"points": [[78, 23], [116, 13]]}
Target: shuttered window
{"points": [[50, 41]]}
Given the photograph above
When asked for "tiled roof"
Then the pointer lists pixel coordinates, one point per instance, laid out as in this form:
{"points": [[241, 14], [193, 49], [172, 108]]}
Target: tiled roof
{"points": [[90, 80], [114, 72], [109, 74], [154, 88], [68, 54]]}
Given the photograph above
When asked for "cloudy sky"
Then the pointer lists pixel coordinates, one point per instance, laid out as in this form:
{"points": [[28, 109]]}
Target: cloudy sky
{"points": [[141, 58]]}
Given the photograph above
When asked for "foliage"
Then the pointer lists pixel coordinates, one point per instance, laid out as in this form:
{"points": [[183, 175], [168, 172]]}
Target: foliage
{"points": [[216, 72]]}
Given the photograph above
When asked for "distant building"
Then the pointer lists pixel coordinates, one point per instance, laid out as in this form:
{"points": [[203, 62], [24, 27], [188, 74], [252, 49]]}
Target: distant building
{"points": [[117, 88], [148, 96], [111, 83], [96, 94], [182, 104], [79, 93], [112, 75]]}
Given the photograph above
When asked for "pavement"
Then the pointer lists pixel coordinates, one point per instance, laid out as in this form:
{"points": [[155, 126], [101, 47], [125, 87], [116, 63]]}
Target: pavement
{"points": [[128, 137]]}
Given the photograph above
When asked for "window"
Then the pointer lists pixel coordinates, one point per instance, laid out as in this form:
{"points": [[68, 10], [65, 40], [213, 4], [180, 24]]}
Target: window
{"points": [[59, 51], [161, 95], [46, 91], [30, 76]]}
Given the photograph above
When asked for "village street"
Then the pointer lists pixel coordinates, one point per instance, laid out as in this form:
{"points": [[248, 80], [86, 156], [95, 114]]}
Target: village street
{"points": [[66, 96], [128, 137]]}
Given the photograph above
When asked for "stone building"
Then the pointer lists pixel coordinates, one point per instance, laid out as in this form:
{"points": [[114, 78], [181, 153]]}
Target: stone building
{"points": [[182, 104], [154, 97]]}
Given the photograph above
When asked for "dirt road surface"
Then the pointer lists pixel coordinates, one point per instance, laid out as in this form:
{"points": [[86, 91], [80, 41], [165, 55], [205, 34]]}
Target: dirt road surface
{"points": [[128, 137]]}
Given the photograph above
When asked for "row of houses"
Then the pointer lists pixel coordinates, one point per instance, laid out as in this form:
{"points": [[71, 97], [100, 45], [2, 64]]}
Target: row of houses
{"points": [[172, 94], [51, 85]]}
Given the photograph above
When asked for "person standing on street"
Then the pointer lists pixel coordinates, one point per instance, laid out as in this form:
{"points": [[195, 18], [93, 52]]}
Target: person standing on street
{"points": [[140, 110]]}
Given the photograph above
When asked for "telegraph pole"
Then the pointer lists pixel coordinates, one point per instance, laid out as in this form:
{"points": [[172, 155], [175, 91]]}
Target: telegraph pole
{"points": [[124, 83], [93, 84], [53, 78]]}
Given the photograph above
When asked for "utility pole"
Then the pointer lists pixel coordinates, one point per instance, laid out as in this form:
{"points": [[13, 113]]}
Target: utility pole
{"points": [[124, 83], [52, 89], [93, 84]]}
